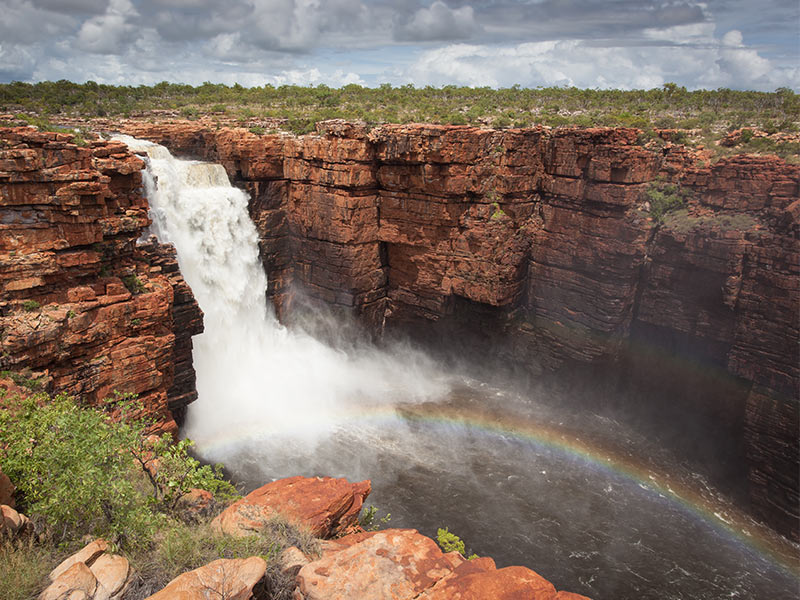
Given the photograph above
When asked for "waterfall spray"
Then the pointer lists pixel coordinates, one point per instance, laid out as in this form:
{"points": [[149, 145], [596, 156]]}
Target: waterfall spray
{"points": [[255, 377]]}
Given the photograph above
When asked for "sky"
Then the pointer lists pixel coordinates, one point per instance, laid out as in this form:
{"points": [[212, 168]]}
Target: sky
{"points": [[740, 44]]}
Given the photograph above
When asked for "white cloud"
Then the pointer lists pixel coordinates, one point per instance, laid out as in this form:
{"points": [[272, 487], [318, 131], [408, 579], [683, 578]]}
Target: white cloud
{"points": [[110, 32], [693, 57]]}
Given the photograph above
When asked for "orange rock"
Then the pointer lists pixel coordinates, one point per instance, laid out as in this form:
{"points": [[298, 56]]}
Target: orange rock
{"points": [[394, 564], [76, 583], [14, 524], [87, 555], [232, 579], [401, 564], [7, 490], [324, 505], [113, 576]]}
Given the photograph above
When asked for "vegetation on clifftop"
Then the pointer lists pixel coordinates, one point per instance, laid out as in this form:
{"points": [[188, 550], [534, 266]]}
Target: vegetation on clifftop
{"points": [[296, 108]]}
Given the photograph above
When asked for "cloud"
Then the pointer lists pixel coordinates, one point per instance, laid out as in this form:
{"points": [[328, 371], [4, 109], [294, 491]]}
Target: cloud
{"points": [[613, 43], [110, 32], [690, 55], [439, 22]]}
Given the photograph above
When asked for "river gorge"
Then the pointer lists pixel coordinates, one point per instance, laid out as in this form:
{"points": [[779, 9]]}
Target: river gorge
{"points": [[487, 324]]}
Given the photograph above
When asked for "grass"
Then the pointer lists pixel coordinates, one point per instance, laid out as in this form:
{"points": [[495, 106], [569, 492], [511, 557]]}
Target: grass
{"points": [[179, 547], [681, 221], [24, 566], [182, 547]]}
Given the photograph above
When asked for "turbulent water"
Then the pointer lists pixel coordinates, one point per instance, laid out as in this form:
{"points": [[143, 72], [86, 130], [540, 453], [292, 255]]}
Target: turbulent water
{"points": [[568, 495]]}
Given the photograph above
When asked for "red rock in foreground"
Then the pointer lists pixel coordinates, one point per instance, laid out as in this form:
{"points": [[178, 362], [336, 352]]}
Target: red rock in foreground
{"points": [[323, 505], [401, 564]]}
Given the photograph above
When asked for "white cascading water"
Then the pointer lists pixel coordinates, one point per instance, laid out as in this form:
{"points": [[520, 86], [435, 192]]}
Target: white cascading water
{"points": [[256, 379]]}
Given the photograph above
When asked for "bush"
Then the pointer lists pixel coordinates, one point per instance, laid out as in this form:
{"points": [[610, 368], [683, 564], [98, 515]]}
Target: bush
{"points": [[134, 284], [663, 198], [450, 542], [30, 305], [78, 472], [369, 520]]}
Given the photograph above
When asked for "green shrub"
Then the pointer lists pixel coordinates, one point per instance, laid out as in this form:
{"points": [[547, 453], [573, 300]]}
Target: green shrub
{"points": [[663, 198], [450, 542], [134, 284], [369, 519], [79, 472], [30, 305]]}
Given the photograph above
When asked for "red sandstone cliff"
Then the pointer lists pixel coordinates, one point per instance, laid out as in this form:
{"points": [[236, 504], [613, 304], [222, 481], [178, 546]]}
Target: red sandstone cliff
{"points": [[547, 236], [79, 301]]}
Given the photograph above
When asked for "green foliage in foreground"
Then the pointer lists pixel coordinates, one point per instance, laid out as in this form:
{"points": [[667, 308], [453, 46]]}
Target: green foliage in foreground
{"points": [[78, 472], [450, 542], [670, 106], [370, 521]]}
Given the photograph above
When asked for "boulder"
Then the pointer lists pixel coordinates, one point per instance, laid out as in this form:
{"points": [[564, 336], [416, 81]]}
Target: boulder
{"points": [[232, 579], [476, 582], [14, 524], [90, 574], [87, 555], [76, 583], [324, 505], [7, 490], [401, 564], [113, 576], [394, 564]]}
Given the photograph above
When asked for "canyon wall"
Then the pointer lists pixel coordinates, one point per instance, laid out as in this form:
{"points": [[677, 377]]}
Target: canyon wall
{"points": [[540, 246], [82, 308]]}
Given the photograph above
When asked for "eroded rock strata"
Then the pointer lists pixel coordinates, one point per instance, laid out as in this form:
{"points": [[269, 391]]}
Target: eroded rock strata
{"points": [[542, 242], [81, 305]]}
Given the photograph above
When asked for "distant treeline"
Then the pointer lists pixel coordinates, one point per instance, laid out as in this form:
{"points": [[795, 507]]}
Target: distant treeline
{"points": [[711, 113]]}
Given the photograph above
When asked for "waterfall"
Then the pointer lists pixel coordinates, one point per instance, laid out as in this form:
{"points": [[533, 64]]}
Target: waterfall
{"points": [[256, 379]]}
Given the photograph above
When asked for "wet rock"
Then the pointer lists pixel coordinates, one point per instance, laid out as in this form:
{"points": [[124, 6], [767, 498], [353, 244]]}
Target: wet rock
{"points": [[232, 579], [323, 505]]}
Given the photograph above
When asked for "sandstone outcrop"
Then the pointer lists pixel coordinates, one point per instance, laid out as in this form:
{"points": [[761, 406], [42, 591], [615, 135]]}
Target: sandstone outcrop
{"points": [[13, 524], [89, 574], [323, 505], [401, 564], [540, 244], [232, 579], [7, 490], [79, 301]]}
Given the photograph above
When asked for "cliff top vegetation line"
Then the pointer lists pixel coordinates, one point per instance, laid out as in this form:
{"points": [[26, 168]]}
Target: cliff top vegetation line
{"points": [[707, 114]]}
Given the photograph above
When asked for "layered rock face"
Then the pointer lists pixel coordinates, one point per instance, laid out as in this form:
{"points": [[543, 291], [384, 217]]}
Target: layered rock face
{"points": [[539, 245], [80, 303]]}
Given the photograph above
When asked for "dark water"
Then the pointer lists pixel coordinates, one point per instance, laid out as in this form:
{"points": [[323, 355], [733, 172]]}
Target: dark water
{"points": [[495, 468]]}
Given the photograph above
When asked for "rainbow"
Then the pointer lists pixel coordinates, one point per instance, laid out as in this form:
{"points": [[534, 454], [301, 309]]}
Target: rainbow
{"points": [[724, 519]]}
